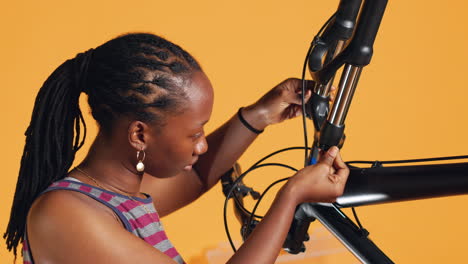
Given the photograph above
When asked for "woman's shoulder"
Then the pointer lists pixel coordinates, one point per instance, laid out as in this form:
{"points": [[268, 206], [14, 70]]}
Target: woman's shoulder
{"points": [[68, 196], [62, 221], [58, 206]]}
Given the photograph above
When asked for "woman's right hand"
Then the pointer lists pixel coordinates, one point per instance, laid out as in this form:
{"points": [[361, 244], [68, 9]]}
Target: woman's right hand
{"points": [[322, 182]]}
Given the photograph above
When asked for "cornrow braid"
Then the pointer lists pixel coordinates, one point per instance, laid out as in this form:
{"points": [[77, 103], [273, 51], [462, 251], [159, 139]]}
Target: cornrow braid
{"points": [[138, 75]]}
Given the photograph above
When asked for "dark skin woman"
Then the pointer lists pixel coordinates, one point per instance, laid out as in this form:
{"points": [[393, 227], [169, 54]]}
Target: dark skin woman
{"points": [[151, 100]]}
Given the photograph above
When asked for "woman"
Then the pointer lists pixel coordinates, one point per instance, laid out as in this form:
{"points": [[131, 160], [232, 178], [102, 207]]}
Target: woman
{"points": [[151, 100]]}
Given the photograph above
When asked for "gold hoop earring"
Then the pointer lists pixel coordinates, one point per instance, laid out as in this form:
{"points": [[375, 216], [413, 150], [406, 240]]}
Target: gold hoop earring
{"points": [[140, 167]]}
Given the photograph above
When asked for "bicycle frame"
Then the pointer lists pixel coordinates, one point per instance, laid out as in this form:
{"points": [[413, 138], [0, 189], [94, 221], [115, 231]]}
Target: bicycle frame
{"points": [[368, 186], [342, 45]]}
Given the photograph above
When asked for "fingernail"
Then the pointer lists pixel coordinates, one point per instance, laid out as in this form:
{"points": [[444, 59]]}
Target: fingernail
{"points": [[333, 151]]}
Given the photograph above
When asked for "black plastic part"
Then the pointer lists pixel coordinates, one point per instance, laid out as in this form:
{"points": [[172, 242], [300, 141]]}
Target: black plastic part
{"points": [[227, 180], [317, 109], [340, 28], [247, 229], [360, 48], [343, 25], [297, 234], [330, 135], [402, 183], [323, 75], [319, 51]]}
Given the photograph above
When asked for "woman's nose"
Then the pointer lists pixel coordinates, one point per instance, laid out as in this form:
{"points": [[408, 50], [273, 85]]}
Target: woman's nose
{"points": [[201, 147]]}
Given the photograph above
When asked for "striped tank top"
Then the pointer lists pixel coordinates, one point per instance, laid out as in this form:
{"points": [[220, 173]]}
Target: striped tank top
{"points": [[133, 215]]}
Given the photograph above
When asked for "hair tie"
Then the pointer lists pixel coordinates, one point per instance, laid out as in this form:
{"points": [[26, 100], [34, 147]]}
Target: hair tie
{"points": [[246, 124], [81, 62]]}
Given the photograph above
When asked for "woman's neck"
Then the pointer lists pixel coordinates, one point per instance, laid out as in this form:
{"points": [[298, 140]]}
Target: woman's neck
{"points": [[109, 167]]}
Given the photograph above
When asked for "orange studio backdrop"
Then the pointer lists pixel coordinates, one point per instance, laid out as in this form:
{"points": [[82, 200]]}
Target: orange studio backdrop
{"points": [[411, 102]]}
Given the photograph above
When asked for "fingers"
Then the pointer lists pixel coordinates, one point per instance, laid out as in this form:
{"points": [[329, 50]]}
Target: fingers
{"points": [[307, 96], [328, 158], [284, 101], [338, 169], [291, 90], [297, 111], [339, 163], [341, 169], [334, 178], [298, 98], [339, 176], [291, 112]]}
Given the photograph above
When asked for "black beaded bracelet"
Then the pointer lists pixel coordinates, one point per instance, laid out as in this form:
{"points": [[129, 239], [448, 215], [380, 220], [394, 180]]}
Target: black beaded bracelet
{"points": [[246, 124]]}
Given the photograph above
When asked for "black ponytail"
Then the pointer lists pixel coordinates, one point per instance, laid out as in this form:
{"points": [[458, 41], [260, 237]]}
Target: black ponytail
{"points": [[138, 75], [52, 139]]}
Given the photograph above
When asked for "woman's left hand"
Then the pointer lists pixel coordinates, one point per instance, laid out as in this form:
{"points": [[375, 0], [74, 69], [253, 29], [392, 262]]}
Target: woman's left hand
{"points": [[281, 103]]}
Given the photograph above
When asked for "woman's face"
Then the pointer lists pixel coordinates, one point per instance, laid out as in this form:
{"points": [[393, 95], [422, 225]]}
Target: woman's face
{"points": [[176, 146]]}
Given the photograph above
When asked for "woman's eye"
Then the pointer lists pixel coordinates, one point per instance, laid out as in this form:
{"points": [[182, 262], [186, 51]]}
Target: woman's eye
{"points": [[197, 135]]}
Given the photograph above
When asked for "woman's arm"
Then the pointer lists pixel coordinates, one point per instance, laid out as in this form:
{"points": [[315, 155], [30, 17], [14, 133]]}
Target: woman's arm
{"points": [[229, 142], [323, 182], [225, 146], [67, 227]]}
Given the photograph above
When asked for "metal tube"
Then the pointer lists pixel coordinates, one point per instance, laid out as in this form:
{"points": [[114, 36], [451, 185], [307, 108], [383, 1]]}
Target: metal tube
{"points": [[351, 94], [348, 83], [403, 183]]}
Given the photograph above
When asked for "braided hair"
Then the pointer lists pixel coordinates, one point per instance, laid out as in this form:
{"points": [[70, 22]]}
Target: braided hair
{"points": [[138, 75]]}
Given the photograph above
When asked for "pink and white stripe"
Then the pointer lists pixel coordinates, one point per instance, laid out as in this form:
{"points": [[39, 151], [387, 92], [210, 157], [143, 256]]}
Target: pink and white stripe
{"points": [[132, 212]]}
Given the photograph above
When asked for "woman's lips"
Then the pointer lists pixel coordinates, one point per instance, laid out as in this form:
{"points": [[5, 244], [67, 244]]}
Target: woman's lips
{"points": [[189, 167]]}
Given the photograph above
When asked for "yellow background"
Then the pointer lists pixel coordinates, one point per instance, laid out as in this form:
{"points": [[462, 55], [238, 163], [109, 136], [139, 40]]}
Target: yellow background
{"points": [[410, 102]]}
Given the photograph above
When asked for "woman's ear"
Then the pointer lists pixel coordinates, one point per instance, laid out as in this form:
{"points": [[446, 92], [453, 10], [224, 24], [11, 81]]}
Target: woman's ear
{"points": [[138, 133]]}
